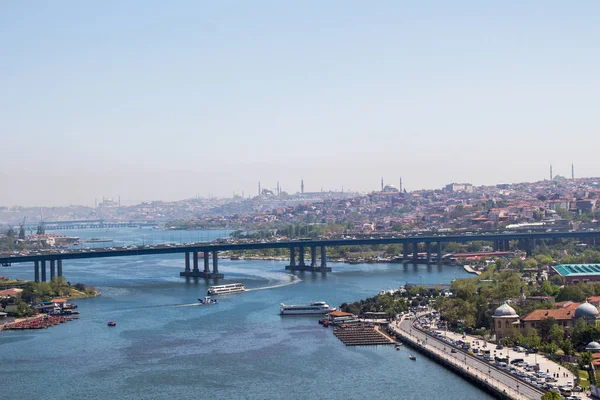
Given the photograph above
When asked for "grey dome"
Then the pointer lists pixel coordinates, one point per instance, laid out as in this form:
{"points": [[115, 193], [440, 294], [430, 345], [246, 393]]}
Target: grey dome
{"points": [[586, 310], [593, 346], [505, 311]]}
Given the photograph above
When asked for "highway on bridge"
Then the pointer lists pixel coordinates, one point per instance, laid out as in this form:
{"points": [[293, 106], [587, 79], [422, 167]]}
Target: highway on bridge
{"points": [[211, 246]]}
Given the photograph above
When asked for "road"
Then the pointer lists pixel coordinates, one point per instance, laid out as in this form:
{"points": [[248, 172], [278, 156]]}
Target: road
{"points": [[483, 368]]}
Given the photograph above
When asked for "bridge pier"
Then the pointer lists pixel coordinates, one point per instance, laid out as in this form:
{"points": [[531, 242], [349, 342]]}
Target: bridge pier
{"points": [[506, 245], [52, 269], [404, 251], [36, 270], [313, 257], [215, 272], [196, 271], [440, 252], [43, 270], [187, 262], [301, 264], [206, 273], [415, 255], [324, 267], [314, 265], [59, 267], [428, 249], [206, 262]]}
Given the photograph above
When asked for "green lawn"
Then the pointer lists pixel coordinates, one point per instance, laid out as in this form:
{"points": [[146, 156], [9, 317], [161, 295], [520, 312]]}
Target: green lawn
{"points": [[584, 379]]}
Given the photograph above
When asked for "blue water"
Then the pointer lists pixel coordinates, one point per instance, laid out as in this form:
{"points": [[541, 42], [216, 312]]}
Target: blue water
{"points": [[167, 346]]}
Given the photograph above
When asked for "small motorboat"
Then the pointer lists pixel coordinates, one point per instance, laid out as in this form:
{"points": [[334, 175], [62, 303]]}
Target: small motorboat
{"points": [[412, 357], [112, 323], [207, 300]]}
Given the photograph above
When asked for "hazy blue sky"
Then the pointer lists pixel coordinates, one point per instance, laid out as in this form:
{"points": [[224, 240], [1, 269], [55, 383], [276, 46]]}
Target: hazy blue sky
{"points": [[167, 100]]}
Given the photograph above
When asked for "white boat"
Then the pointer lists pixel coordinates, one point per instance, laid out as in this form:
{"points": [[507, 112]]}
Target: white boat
{"points": [[226, 289], [315, 307]]}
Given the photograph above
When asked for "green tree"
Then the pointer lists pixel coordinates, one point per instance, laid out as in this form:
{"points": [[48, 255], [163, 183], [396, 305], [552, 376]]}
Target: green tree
{"points": [[585, 360], [545, 327], [552, 395]]}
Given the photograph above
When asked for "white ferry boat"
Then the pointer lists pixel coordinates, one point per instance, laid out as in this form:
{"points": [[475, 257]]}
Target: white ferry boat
{"points": [[226, 289], [316, 307]]}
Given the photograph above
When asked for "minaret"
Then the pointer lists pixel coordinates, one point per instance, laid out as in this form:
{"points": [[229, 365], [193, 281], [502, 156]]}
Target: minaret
{"points": [[278, 191], [382, 183], [259, 188], [550, 171], [573, 171], [400, 188], [302, 186]]}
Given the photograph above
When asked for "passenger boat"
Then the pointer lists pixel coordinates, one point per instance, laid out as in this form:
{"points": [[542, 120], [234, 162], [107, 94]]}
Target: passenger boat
{"points": [[112, 323], [412, 357], [226, 289], [315, 307]]}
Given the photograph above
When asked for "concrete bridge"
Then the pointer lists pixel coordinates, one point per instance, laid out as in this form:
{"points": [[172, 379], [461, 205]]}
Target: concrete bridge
{"points": [[209, 250]]}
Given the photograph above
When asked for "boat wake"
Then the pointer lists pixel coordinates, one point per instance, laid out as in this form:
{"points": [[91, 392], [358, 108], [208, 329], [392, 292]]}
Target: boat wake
{"points": [[293, 280]]}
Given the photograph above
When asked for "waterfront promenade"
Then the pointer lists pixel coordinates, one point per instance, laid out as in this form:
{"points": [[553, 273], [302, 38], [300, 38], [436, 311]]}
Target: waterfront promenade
{"points": [[472, 368]]}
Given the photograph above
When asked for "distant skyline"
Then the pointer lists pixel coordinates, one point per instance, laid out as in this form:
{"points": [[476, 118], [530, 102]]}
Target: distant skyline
{"points": [[165, 101]]}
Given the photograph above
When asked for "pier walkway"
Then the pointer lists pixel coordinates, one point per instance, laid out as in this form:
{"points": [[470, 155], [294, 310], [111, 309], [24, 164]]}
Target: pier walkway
{"points": [[482, 373]]}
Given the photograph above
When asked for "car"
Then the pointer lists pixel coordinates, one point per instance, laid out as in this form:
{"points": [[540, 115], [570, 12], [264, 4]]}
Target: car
{"points": [[453, 351], [499, 347]]}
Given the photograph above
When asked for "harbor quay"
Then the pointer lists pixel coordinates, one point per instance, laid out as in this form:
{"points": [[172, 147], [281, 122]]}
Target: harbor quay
{"points": [[481, 373]]}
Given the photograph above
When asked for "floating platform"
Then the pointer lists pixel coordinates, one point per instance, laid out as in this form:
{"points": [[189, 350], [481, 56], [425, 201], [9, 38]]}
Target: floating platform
{"points": [[201, 274], [307, 268], [358, 334]]}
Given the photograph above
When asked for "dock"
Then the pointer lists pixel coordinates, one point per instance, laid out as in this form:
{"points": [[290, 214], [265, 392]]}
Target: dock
{"points": [[470, 270], [361, 334]]}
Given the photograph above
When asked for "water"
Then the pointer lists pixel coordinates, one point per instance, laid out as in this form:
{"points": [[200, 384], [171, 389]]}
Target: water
{"points": [[167, 346]]}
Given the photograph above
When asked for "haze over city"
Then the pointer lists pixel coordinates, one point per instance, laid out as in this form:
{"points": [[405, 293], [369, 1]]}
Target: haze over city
{"points": [[156, 101]]}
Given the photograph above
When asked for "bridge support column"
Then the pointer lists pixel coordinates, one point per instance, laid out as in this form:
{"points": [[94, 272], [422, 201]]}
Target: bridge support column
{"points": [[415, 255], [59, 267], [206, 262], [301, 258], [52, 269], [428, 249], [313, 257], [43, 270], [206, 273], [506, 245], [404, 251], [215, 256], [495, 245], [324, 267], [36, 270], [292, 266], [440, 252], [195, 270], [187, 262]]}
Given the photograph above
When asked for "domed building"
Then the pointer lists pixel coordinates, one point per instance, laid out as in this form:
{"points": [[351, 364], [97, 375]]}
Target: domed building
{"points": [[504, 317], [593, 347], [588, 312]]}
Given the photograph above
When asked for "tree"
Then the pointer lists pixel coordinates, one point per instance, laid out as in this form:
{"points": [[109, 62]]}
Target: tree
{"points": [[557, 334], [552, 395], [585, 359], [545, 327]]}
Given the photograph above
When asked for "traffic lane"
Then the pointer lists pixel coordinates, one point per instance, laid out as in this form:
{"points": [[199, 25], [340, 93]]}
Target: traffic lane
{"points": [[480, 366], [475, 363]]}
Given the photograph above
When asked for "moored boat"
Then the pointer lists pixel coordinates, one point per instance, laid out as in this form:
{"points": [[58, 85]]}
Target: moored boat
{"points": [[412, 357], [112, 323], [315, 307]]}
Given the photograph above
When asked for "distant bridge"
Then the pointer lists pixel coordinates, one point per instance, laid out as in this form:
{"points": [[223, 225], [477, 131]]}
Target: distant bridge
{"points": [[93, 223], [191, 251]]}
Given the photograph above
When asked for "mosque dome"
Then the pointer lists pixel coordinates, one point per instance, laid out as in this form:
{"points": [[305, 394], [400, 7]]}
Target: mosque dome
{"points": [[505, 311], [586, 310], [593, 346]]}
